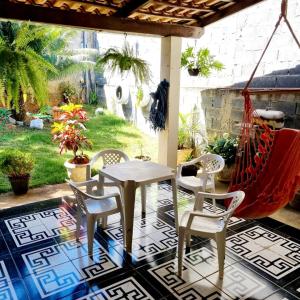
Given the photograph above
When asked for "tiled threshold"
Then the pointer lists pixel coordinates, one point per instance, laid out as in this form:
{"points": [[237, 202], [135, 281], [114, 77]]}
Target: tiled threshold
{"points": [[286, 215]]}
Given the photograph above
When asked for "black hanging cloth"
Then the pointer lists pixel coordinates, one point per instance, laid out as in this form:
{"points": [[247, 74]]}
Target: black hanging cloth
{"points": [[159, 107]]}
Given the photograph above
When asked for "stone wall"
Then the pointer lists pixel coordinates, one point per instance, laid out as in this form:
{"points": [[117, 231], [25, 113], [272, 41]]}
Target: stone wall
{"points": [[223, 108]]}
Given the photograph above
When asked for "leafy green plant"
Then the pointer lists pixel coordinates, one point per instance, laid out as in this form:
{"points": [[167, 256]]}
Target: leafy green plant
{"points": [[67, 91], [68, 132], [188, 127], [124, 61], [225, 146], [30, 56], [202, 60], [15, 163], [139, 96], [93, 98]]}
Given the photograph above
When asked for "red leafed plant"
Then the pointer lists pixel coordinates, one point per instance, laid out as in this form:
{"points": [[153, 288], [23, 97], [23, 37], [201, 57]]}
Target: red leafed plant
{"points": [[68, 132]]}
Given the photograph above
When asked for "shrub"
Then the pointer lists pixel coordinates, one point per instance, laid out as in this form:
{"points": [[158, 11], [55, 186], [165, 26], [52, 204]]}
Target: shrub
{"points": [[15, 163]]}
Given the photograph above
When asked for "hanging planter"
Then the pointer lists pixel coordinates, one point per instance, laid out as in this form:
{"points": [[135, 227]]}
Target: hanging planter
{"points": [[194, 72], [200, 63], [124, 61]]}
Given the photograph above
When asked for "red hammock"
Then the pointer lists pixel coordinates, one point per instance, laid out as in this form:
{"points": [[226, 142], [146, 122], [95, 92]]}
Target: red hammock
{"points": [[268, 161]]}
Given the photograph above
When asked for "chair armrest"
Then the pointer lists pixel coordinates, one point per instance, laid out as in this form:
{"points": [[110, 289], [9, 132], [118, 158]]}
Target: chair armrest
{"points": [[191, 162], [100, 197], [91, 182], [216, 196], [194, 214]]}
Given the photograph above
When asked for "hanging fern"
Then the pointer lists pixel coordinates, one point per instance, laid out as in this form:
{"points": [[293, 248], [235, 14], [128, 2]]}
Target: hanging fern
{"points": [[124, 61]]}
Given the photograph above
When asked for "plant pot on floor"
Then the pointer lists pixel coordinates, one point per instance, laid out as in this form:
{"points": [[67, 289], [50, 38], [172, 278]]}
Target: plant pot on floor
{"points": [[19, 184], [226, 174], [77, 172]]}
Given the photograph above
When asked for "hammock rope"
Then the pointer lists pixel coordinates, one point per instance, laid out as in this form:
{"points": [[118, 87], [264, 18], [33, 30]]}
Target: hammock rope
{"points": [[267, 161]]}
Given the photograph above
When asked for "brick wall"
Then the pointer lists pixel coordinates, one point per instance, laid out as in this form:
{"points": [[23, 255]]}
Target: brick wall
{"points": [[223, 108]]}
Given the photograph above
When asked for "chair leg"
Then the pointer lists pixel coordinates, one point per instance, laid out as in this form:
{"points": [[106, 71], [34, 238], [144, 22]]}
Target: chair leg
{"points": [[198, 202], [188, 240], [104, 222], [181, 236], [221, 244], [78, 223], [143, 198], [91, 220]]}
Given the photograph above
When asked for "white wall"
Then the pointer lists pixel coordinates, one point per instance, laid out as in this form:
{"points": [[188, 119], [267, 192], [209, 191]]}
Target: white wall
{"points": [[238, 41]]}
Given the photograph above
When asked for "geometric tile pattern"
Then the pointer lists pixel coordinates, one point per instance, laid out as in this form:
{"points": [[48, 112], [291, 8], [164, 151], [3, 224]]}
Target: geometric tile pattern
{"points": [[266, 250], [151, 236], [52, 269], [55, 266], [37, 227], [127, 288], [6, 288]]}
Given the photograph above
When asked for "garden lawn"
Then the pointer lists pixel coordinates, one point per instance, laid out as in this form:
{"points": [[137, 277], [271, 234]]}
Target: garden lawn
{"points": [[106, 131]]}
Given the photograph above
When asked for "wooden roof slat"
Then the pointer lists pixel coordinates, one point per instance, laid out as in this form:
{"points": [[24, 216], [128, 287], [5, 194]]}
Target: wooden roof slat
{"points": [[193, 13], [55, 16]]}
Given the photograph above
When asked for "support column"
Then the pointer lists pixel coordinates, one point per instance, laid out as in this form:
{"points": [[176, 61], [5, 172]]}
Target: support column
{"points": [[170, 70]]}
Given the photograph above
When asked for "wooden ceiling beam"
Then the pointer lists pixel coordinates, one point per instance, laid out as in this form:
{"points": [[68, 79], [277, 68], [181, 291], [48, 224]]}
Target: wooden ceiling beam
{"points": [[222, 13], [190, 8], [129, 8], [24, 12]]}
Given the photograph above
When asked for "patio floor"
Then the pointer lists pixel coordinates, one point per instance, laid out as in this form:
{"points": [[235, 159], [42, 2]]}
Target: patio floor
{"points": [[40, 259]]}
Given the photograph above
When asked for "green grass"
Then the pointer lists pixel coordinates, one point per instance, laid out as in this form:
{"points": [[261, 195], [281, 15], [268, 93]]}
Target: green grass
{"points": [[106, 131]]}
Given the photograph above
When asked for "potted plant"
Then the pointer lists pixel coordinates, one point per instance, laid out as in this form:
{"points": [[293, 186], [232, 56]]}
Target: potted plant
{"points": [[225, 146], [186, 137], [17, 165], [68, 132], [199, 63], [124, 61]]}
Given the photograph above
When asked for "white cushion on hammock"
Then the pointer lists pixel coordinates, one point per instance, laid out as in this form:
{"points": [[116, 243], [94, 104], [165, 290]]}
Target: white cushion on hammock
{"points": [[270, 114]]}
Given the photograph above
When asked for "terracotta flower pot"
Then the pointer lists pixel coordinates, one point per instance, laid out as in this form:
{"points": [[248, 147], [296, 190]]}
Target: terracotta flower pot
{"points": [[19, 184]]}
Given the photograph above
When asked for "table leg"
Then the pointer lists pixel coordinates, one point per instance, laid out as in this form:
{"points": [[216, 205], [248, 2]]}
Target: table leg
{"points": [[143, 198], [174, 193], [129, 201]]}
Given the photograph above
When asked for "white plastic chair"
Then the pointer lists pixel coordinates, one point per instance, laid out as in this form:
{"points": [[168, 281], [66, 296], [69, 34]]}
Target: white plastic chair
{"points": [[207, 225], [211, 164], [111, 157], [94, 207], [108, 157]]}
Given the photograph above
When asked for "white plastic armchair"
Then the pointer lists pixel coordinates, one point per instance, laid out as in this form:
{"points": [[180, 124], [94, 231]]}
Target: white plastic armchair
{"points": [[108, 157], [94, 207], [207, 225], [211, 164]]}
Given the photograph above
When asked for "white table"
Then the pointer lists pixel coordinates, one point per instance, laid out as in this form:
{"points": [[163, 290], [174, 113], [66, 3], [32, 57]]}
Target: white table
{"points": [[132, 174]]}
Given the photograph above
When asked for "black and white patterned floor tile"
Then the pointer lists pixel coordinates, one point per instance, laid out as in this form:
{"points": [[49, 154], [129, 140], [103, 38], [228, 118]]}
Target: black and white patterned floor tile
{"points": [[151, 236], [128, 288], [37, 227], [39, 258], [56, 268], [268, 251], [7, 290]]}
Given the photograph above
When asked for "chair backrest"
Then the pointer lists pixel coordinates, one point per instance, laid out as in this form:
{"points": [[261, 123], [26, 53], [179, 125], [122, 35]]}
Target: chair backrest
{"points": [[237, 198], [109, 157], [212, 162], [79, 195]]}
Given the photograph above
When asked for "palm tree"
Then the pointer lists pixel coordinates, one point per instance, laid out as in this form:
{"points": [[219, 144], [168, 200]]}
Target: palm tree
{"points": [[23, 70], [30, 56]]}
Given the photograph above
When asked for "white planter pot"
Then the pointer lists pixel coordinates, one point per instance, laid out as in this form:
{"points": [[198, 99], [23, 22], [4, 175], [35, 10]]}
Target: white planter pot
{"points": [[77, 173]]}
